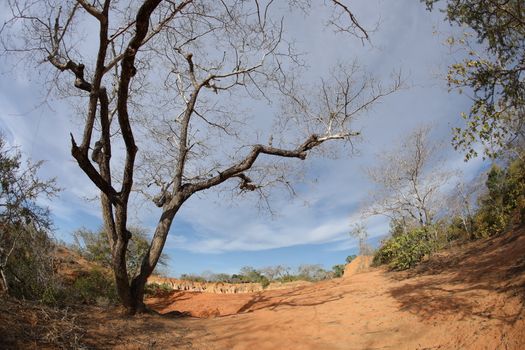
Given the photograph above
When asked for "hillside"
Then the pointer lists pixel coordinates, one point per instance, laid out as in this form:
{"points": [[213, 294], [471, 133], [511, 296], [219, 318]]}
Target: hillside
{"points": [[469, 297]]}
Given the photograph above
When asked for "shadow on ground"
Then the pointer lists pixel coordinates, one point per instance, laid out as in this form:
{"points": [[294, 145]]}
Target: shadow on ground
{"points": [[455, 281]]}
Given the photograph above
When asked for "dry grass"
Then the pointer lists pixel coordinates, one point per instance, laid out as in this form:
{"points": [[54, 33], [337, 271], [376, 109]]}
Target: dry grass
{"points": [[31, 325]]}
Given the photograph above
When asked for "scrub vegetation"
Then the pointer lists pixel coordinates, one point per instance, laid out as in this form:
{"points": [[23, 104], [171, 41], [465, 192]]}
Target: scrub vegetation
{"points": [[172, 77]]}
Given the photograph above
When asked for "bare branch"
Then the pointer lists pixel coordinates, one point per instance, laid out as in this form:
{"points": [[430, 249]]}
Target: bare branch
{"points": [[237, 169], [352, 18], [92, 10]]}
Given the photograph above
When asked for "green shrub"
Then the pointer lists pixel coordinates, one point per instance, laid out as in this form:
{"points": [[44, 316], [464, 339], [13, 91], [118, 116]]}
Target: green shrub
{"points": [[157, 290], [94, 246], [350, 258], [29, 268], [250, 275], [288, 278], [499, 208], [456, 230], [504, 202], [265, 282], [404, 251], [192, 278], [26, 245], [338, 270], [56, 295], [95, 287]]}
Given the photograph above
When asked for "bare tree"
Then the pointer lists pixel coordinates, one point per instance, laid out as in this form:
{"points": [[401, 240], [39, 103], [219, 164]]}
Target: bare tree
{"points": [[461, 202], [409, 180], [172, 75], [275, 272], [314, 273], [360, 232]]}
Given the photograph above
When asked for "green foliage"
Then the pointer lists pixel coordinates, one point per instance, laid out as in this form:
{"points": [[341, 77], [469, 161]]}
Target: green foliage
{"points": [[350, 258], [338, 270], [26, 262], [404, 251], [504, 200], [250, 275], [94, 247], [500, 207], [157, 290], [92, 287], [495, 75], [456, 230], [95, 287], [289, 278], [193, 278], [29, 267], [265, 282], [247, 274], [265, 276], [20, 188]]}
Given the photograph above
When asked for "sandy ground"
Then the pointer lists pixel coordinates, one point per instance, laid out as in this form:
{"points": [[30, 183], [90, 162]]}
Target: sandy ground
{"points": [[469, 297], [368, 311]]}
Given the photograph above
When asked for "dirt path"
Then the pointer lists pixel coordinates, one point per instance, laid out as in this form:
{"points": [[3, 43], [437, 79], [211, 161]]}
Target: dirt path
{"points": [[471, 298], [370, 311]]}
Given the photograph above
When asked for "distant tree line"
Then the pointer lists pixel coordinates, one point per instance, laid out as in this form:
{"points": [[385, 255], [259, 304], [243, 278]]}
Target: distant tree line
{"points": [[277, 273]]}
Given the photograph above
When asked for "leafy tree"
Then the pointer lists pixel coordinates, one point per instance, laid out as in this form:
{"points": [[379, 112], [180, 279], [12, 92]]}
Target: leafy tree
{"points": [[25, 243], [496, 75], [94, 246], [248, 274], [171, 77], [504, 199]]}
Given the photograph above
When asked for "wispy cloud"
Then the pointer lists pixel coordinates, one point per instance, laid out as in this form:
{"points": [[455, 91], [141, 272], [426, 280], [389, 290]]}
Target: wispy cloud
{"points": [[208, 223]]}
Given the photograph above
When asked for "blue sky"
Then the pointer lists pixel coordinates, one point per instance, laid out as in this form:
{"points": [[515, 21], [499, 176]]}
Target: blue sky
{"points": [[221, 233]]}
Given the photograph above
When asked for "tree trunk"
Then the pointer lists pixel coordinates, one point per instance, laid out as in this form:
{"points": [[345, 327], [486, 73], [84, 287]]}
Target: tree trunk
{"points": [[5, 285], [132, 295]]}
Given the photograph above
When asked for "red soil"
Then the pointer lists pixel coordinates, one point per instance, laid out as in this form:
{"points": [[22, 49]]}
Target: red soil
{"points": [[469, 297]]}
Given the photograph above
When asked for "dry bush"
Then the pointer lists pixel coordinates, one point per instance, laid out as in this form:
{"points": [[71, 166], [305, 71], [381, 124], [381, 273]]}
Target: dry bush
{"points": [[31, 325]]}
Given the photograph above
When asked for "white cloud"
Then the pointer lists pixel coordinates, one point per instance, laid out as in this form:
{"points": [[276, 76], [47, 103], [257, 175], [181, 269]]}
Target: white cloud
{"points": [[205, 224]]}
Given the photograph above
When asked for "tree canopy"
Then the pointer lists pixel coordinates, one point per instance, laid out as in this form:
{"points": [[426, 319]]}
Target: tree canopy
{"points": [[493, 69]]}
